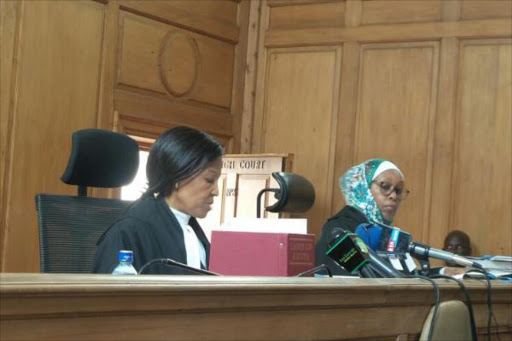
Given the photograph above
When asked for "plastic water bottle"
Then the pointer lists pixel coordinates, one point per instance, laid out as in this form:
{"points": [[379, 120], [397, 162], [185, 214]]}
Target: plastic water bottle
{"points": [[125, 266]]}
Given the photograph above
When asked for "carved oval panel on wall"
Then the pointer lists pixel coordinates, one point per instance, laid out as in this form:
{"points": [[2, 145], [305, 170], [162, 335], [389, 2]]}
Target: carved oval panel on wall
{"points": [[179, 63]]}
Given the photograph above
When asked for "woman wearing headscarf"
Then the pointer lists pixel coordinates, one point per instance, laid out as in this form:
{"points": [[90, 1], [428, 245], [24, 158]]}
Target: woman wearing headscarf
{"points": [[373, 191]]}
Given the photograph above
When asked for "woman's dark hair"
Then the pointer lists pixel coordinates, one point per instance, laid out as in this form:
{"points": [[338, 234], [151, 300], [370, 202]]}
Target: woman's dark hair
{"points": [[178, 154]]}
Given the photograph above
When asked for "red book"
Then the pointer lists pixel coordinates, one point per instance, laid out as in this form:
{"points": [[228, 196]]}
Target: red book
{"points": [[261, 254]]}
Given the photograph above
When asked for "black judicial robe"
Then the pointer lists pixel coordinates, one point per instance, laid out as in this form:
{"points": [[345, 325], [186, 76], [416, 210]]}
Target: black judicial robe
{"points": [[151, 231], [348, 219]]}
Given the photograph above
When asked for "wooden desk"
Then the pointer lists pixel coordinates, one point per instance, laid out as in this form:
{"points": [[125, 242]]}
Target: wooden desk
{"points": [[104, 307]]}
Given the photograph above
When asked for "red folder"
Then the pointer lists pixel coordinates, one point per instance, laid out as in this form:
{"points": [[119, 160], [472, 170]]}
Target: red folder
{"points": [[261, 254]]}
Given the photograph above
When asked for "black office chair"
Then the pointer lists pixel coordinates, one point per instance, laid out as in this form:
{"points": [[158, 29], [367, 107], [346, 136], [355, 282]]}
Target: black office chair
{"points": [[70, 226], [295, 194]]}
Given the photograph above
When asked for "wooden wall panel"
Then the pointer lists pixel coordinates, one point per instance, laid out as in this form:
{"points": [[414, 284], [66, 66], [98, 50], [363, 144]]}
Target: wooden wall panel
{"points": [[9, 17], [307, 15], [138, 67], [442, 161], [389, 11], [299, 115], [482, 200], [169, 60], [217, 18], [399, 88], [478, 9], [54, 98], [181, 64], [396, 108]]}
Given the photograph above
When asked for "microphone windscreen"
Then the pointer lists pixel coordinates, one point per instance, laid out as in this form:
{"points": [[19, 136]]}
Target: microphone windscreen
{"points": [[349, 251], [370, 234]]}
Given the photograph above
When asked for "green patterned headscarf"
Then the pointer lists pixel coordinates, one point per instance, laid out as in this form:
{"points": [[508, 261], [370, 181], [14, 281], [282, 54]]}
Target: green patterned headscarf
{"points": [[355, 185]]}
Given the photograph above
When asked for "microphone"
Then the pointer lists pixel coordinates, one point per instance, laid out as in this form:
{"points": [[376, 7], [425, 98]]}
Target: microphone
{"points": [[350, 252], [385, 239], [382, 267], [171, 262], [422, 250], [389, 243], [370, 234]]}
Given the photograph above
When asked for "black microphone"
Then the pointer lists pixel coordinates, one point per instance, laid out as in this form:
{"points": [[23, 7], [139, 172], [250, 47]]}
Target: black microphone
{"points": [[422, 250], [383, 267], [171, 262], [404, 244], [349, 250], [389, 243]]}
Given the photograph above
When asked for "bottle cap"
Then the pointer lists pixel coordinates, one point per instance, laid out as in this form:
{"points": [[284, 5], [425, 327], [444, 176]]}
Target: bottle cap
{"points": [[125, 256]]}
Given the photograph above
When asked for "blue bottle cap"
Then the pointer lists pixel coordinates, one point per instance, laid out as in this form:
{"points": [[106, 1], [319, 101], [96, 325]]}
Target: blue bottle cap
{"points": [[125, 256]]}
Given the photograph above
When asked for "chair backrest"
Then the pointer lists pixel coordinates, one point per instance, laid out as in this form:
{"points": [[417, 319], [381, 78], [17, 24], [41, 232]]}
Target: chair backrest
{"points": [[101, 158], [69, 228], [452, 323]]}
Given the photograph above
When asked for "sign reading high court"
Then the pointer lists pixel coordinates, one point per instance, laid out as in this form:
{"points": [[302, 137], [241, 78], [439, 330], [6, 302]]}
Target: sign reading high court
{"points": [[243, 177]]}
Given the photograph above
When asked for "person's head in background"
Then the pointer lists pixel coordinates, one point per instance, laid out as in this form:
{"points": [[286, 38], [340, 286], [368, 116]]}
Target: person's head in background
{"points": [[376, 188], [183, 166], [457, 242]]}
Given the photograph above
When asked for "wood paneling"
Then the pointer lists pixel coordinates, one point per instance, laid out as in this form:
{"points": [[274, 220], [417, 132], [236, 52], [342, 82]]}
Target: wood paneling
{"points": [[442, 163], [165, 59], [478, 9], [106, 117], [403, 94], [162, 111], [138, 67], [249, 72], [54, 98], [482, 199], [387, 12], [102, 307], [9, 19], [344, 154], [300, 102], [307, 15], [214, 18], [398, 91], [402, 32]]}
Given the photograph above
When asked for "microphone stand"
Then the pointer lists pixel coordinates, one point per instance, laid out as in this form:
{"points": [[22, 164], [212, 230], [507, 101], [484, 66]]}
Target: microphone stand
{"points": [[315, 270], [170, 262], [424, 263]]}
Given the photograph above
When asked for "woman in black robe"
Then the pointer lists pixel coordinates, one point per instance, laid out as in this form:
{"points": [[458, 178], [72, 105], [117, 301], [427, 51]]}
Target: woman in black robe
{"points": [[183, 167]]}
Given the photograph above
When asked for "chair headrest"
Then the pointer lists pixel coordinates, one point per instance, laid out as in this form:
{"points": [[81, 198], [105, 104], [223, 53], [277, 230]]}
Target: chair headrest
{"points": [[101, 158], [296, 193]]}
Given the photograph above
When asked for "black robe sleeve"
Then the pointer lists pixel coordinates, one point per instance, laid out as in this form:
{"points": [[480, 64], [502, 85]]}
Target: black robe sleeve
{"points": [[122, 236]]}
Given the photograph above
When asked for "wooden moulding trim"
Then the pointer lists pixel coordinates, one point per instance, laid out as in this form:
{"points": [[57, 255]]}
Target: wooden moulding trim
{"points": [[39, 283], [130, 299], [282, 3], [165, 111], [241, 156], [211, 27], [164, 95], [391, 32]]}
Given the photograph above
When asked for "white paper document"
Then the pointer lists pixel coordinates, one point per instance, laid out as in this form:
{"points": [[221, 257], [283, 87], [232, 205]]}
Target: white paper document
{"points": [[283, 225]]}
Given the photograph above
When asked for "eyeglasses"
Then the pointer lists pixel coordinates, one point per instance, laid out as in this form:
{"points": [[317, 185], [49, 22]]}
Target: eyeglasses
{"points": [[386, 189]]}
